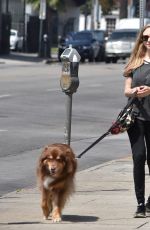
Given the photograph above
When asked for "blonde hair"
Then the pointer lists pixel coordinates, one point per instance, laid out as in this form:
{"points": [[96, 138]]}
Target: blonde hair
{"points": [[136, 58]]}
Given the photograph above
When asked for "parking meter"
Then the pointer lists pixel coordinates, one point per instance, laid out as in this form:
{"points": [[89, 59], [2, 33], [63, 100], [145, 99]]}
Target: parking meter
{"points": [[69, 81]]}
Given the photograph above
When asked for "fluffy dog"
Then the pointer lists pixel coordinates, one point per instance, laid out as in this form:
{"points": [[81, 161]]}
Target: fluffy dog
{"points": [[56, 169]]}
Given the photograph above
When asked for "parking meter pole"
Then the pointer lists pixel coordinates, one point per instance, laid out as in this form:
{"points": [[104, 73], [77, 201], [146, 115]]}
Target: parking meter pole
{"points": [[67, 133]]}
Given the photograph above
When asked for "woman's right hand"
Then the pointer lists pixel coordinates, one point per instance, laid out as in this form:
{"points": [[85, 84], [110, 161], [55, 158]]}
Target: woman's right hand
{"points": [[143, 91]]}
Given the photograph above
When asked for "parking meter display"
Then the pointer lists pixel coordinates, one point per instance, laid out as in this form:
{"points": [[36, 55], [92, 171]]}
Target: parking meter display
{"points": [[65, 81]]}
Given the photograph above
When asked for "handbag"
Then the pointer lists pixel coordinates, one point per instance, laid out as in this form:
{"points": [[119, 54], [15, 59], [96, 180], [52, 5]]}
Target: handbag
{"points": [[125, 118]]}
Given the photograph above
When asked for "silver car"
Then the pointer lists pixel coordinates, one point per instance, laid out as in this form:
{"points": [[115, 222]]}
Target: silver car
{"points": [[16, 41], [120, 44]]}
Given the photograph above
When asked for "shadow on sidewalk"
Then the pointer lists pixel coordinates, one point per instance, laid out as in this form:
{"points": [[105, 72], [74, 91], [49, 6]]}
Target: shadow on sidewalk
{"points": [[77, 218], [66, 218]]}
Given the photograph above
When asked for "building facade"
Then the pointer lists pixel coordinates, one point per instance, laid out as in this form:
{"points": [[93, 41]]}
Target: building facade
{"points": [[16, 14], [23, 17]]}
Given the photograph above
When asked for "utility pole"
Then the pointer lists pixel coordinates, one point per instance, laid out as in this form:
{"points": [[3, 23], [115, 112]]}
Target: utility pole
{"points": [[24, 27], [7, 6], [0, 25], [42, 16], [92, 15], [142, 12]]}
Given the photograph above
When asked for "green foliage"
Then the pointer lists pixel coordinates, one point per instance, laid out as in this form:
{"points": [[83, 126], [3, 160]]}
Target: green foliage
{"points": [[107, 6], [86, 8], [56, 4]]}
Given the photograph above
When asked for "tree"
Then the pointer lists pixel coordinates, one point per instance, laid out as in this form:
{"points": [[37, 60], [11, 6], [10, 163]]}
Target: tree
{"points": [[86, 10], [51, 6], [56, 4], [123, 9], [52, 3], [107, 6]]}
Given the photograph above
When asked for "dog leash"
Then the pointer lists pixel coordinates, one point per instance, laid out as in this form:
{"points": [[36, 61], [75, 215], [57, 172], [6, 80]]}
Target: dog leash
{"points": [[130, 101], [94, 143]]}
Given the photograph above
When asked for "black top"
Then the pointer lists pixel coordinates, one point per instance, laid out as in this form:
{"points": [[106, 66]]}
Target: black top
{"points": [[141, 76]]}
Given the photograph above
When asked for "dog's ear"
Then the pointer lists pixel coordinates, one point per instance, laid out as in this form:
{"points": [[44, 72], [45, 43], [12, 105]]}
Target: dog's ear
{"points": [[71, 163], [45, 148], [44, 161], [43, 156]]}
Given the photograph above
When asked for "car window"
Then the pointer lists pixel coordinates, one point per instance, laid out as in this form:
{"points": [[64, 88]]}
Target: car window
{"points": [[82, 36], [99, 35], [123, 35], [12, 33]]}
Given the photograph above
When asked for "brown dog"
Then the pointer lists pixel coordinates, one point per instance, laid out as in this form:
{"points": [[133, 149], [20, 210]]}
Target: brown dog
{"points": [[56, 170]]}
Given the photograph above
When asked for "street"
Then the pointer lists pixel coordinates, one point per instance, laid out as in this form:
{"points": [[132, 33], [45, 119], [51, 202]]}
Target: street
{"points": [[33, 113]]}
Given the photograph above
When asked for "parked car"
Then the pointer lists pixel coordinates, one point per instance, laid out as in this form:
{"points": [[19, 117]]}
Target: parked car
{"points": [[120, 44], [16, 41], [63, 43], [88, 43]]}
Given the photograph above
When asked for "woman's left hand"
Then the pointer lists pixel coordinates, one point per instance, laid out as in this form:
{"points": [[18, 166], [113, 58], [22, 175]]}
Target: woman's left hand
{"points": [[143, 91]]}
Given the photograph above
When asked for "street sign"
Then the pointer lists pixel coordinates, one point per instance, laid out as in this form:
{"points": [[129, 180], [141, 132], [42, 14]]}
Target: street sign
{"points": [[42, 12]]}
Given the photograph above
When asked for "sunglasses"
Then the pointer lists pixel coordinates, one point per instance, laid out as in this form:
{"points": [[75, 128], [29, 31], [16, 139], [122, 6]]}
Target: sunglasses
{"points": [[145, 38]]}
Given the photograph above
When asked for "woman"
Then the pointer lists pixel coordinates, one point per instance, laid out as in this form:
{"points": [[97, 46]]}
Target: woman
{"points": [[137, 83]]}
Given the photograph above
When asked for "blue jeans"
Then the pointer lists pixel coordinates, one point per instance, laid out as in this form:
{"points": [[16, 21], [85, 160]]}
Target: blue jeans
{"points": [[139, 136]]}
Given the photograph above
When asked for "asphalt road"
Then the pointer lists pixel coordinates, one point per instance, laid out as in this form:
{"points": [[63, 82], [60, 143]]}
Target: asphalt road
{"points": [[33, 113]]}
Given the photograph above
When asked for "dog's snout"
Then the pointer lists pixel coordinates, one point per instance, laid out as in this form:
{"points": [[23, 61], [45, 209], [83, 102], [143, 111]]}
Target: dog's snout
{"points": [[53, 169]]}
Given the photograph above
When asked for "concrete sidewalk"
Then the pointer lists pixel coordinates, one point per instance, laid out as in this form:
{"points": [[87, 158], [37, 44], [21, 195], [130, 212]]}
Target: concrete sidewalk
{"points": [[104, 199], [16, 58]]}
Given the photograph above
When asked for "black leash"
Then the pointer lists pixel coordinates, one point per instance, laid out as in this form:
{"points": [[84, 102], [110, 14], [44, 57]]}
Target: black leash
{"points": [[130, 101], [94, 143]]}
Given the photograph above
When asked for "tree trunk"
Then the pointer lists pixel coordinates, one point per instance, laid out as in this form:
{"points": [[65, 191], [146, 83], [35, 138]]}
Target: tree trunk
{"points": [[123, 8], [85, 23]]}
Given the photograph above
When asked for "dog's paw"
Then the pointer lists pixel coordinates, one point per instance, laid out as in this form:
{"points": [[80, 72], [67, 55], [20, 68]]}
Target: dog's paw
{"points": [[56, 219], [45, 218]]}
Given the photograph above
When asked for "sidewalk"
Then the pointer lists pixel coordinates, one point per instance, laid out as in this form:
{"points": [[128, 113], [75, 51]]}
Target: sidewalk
{"points": [[104, 199], [16, 58]]}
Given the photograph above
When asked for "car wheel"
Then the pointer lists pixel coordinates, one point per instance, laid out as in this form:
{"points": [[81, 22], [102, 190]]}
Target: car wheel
{"points": [[107, 59], [114, 60], [82, 59], [16, 46], [91, 58], [98, 58]]}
